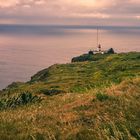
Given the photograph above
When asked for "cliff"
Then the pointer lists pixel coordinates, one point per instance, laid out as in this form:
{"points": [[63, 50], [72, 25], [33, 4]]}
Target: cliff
{"points": [[95, 99]]}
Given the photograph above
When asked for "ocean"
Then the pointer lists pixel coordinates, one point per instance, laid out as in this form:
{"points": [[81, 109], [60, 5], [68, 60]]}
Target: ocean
{"points": [[26, 49]]}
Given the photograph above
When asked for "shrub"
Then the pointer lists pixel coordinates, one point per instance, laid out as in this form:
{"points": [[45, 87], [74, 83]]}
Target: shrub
{"points": [[52, 92], [27, 98], [22, 99], [102, 97]]}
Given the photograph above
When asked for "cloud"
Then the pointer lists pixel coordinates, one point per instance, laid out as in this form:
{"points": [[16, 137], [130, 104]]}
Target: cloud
{"points": [[70, 11], [8, 3]]}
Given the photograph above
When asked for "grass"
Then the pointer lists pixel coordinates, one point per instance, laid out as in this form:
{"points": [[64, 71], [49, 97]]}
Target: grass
{"points": [[79, 77], [18, 100], [96, 100], [102, 97], [77, 116]]}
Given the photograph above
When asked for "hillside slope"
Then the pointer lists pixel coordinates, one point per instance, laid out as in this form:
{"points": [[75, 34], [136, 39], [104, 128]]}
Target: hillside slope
{"points": [[83, 76], [110, 114], [92, 100]]}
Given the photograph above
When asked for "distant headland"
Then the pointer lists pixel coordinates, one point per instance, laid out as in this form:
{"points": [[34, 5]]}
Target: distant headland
{"points": [[94, 55]]}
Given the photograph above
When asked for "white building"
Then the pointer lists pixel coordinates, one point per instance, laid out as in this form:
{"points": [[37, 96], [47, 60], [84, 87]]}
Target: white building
{"points": [[99, 50]]}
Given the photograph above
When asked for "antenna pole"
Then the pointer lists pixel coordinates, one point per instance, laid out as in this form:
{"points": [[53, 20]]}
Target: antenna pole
{"points": [[97, 36]]}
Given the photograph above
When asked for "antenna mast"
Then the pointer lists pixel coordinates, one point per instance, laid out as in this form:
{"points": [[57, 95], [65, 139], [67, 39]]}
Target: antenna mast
{"points": [[97, 36]]}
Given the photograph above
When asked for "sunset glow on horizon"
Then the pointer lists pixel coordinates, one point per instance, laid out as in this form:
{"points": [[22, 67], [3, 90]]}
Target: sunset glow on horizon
{"points": [[105, 12]]}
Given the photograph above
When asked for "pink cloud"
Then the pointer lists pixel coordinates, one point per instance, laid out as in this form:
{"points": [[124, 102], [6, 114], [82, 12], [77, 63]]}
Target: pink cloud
{"points": [[45, 11], [8, 3]]}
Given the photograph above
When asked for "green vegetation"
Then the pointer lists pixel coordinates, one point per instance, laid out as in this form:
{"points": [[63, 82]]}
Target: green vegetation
{"points": [[98, 99], [89, 57], [18, 100], [83, 76], [102, 97]]}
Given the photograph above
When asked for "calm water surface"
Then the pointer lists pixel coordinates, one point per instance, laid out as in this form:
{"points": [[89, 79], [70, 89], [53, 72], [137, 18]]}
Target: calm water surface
{"points": [[24, 50]]}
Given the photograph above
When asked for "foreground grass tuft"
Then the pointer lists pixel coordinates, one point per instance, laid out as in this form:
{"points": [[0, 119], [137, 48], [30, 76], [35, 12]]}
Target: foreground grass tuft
{"points": [[16, 101]]}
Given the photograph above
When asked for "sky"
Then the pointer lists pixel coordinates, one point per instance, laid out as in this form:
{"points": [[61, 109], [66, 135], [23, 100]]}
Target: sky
{"points": [[71, 12]]}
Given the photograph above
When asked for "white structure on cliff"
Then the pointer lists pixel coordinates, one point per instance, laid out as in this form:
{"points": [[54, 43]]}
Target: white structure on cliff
{"points": [[99, 47], [99, 50]]}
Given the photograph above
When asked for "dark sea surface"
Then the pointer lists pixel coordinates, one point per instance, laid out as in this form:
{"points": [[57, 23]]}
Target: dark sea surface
{"points": [[26, 49]]}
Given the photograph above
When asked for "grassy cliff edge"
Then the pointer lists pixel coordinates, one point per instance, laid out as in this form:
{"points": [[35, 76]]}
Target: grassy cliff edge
{"points": [[96, 99]]}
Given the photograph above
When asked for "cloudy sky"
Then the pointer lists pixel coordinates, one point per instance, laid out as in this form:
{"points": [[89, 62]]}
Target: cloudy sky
{"points": [[87, 12]]}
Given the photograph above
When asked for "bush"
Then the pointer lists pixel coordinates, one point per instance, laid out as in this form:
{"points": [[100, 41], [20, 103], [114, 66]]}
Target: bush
{"points": [[52, 92], [27, 98], [22, 99], [102, 97]]}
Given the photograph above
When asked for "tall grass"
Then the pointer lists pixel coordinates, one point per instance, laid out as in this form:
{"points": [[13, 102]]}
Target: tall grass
{"points": [[89, 116]]}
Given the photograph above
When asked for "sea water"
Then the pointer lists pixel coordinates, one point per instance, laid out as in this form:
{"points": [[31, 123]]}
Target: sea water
{"points": [[26, 49]]}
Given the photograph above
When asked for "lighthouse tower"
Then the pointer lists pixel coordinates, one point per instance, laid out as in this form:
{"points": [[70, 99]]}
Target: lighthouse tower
{"points": [[99, 48]]}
